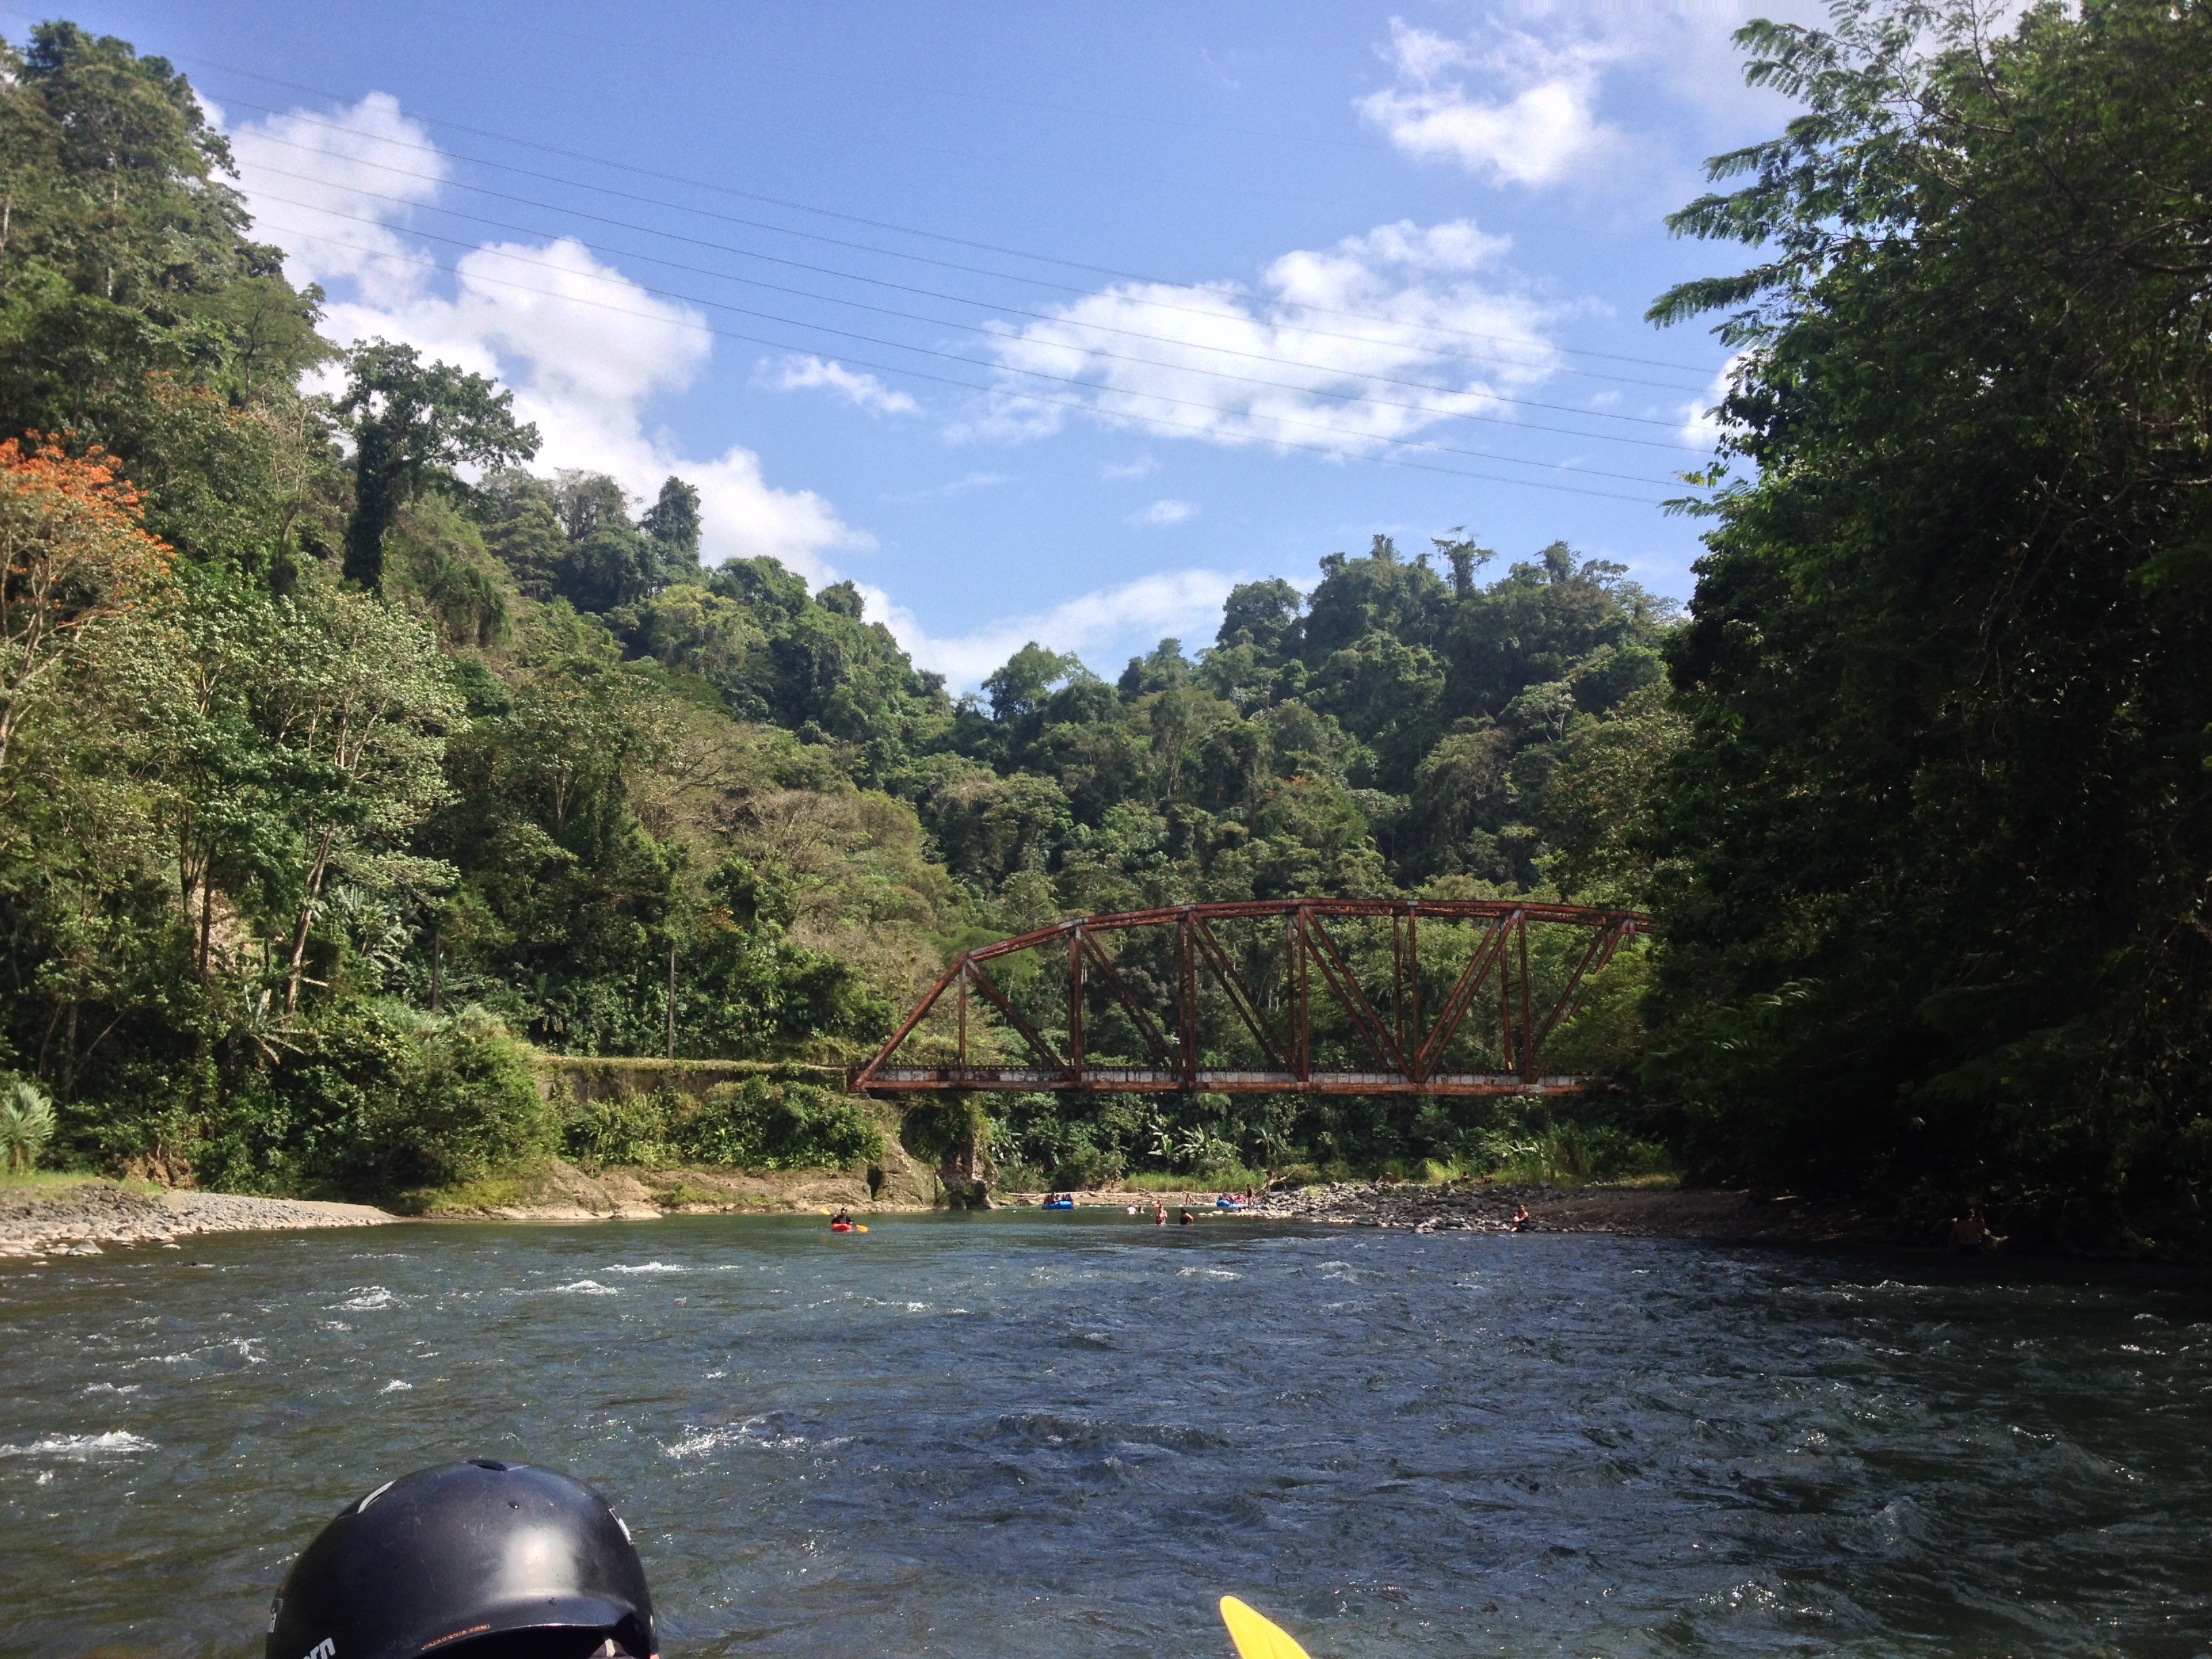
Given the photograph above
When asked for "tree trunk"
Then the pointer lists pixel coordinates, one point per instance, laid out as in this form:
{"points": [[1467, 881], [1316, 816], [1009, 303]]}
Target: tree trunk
{"points": [[299, 963]]}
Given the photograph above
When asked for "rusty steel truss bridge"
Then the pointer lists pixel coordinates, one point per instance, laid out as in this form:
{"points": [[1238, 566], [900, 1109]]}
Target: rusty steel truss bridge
{"points": [[1291, 996]]}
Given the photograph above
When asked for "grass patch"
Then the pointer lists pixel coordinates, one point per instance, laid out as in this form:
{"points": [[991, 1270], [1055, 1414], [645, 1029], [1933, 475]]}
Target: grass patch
{"points": [[679, 1193], [1231, 1178], [495, 1192], [1654, 1181], [45, 1181]]}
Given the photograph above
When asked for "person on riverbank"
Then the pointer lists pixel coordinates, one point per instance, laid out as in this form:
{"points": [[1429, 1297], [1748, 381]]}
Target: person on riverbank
{"points": [[436, 1559], [1523, 1221], [1971, 1234]]}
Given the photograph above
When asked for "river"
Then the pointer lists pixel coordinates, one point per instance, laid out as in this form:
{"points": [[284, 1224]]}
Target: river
{"points": [[1068, 1436]]}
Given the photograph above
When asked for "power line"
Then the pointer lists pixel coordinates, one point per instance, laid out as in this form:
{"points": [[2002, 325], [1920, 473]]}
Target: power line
{"points": [[1148, 363], [962, 96], [927, 293], [830, 212], [1335, 453], [1004, 368]]}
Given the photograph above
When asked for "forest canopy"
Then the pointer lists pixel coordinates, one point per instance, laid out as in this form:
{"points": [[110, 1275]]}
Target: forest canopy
{"points": [[341, 752]]}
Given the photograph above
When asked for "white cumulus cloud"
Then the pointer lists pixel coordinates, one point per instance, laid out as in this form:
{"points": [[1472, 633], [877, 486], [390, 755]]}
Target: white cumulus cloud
{"points": [[584, 347], [1506, 105], [1163, 512], [805, 374], [1098, 626], [319, 172], [1701, 426], [1288, 365]]}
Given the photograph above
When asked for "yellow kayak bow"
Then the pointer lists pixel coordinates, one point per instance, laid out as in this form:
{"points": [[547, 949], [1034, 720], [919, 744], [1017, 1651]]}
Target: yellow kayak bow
{"points": [[1257, 1636]]}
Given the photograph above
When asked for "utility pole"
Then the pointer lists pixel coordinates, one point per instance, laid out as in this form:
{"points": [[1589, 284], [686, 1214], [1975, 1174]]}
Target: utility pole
{"points": [[671, 998], [437, 956]]}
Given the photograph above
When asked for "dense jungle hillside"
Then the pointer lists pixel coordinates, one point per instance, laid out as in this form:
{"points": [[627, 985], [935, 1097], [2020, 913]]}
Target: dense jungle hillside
{"points": [[340, 749], [343, 754]]}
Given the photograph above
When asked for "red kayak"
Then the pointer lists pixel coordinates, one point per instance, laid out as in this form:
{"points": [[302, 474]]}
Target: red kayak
{"points": [[841, 1226]]}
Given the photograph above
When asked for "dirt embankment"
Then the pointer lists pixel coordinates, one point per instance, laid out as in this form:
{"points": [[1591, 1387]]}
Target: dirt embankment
{"points": [[562, 1192], [85, 1219]]}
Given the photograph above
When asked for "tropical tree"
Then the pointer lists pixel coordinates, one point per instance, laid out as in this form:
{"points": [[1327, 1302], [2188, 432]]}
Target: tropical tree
{"points": [[73, 561], [412, 424], [358, 705], [1942, 816]]}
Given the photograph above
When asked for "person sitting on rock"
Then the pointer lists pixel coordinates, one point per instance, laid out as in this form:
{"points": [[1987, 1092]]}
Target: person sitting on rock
{"points": [[1523, 1221]]}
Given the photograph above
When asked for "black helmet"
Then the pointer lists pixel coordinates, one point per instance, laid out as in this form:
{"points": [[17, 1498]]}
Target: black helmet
{"points": [[446, 1559]]}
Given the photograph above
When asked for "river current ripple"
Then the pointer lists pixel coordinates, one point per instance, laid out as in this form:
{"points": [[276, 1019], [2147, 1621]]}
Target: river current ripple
{"points": [[1068, 1436]]}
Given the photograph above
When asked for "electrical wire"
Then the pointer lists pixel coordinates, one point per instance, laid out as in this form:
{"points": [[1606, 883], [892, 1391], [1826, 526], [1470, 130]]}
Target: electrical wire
{"points": [[978, 362], [831, 213], [1333, 452], [1148, 363], [927, 293]]}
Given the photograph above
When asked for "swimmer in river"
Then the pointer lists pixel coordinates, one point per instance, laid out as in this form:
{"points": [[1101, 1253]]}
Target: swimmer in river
{"points": [[1184, 1218], [1159, 1213], [362, 1587], [1523, 1221]]}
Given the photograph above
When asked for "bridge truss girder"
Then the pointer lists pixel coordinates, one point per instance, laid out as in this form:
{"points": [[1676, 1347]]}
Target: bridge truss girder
{"points": [[1407, 1049]]}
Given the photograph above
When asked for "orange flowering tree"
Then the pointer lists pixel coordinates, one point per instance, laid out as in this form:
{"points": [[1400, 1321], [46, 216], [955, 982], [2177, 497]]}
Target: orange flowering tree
{"points": [[73, 559]]}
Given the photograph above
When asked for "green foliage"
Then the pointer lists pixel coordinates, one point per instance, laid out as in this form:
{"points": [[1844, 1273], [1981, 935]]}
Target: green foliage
{"points": [[412, 424], [624, 1129], [1566, 1155], [27, 1124], [467, 1105], [757, 1125], [393, 743], [125, 246], [377, 1101], [932, 1128], [754, 1125], [1940, 813]]}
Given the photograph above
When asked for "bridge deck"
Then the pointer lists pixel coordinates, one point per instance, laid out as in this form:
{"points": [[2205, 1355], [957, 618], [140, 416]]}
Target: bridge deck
{"points": [[1144, 1079], [1412, 1025]]}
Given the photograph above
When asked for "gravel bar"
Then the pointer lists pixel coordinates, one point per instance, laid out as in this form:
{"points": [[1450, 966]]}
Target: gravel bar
{"points": [[38, 1222]]}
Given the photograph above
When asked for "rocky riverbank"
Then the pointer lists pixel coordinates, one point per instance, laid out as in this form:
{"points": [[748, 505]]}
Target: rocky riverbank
{"points": [[1725, 1217], [1642, 1212], [92, 1216], [89, 1218]]}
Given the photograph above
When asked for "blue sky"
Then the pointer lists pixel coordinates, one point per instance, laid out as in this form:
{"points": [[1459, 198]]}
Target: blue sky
{"points": [[1036, 321]]}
